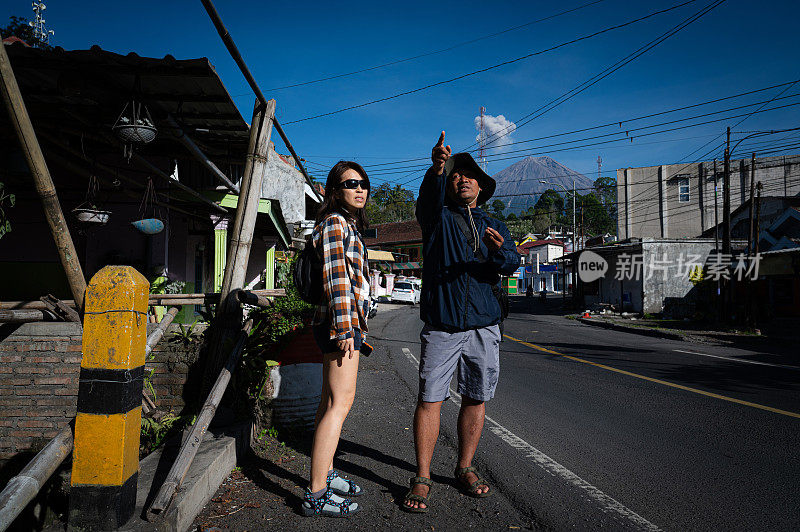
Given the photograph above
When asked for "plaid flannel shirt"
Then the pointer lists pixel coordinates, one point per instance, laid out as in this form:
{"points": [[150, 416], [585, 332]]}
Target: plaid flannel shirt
{"points": [[344, 280]]}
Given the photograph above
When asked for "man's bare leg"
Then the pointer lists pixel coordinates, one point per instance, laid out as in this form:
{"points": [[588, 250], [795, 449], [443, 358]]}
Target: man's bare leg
{"points": [[470, 425], [426, 432]]}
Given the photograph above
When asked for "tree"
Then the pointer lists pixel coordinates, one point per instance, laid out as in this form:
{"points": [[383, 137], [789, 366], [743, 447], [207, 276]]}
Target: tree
{"points": [[18, 27], [596, 220], [496, 209], [390, 204], [606, 190]]}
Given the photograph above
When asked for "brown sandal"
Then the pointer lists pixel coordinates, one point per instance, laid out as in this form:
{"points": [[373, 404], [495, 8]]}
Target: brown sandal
{"points": [[472, 489], [413, 497]]}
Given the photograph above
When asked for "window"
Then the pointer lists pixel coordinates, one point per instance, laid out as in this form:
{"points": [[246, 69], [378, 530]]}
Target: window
{"points": [[683, 189]]}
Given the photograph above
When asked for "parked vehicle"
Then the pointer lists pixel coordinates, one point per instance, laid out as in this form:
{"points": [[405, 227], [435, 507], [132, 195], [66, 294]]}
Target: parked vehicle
{"points": [[406, 291]]}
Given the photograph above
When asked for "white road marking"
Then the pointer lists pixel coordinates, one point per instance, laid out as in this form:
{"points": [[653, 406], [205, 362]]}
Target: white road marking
{"points": [[731, 359], [606, 503]]}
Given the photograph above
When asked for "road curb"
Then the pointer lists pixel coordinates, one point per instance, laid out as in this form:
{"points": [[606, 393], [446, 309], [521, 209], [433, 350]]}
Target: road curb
{"points": [[635, 330]]}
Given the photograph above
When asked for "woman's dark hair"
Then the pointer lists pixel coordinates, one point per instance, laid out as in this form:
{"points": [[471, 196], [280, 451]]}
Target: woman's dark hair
{"points": [[331, 203]]}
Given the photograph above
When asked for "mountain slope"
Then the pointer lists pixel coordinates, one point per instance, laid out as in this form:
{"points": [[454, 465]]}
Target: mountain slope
{"points": [[518, 185]]}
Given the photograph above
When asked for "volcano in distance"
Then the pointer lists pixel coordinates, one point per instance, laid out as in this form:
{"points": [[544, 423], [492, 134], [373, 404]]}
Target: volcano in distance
{"points": [[519, 188]]}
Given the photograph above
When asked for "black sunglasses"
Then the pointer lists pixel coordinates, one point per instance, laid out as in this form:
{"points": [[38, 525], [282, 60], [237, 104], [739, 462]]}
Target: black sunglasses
{"points": [[353, 184]]}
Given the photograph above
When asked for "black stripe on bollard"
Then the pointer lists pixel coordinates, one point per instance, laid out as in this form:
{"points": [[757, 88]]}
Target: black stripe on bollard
{"points": [[110, 391]]}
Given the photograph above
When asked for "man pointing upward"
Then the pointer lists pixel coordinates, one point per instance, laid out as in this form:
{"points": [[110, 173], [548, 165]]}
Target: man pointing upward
{"points": [[464, 254]]}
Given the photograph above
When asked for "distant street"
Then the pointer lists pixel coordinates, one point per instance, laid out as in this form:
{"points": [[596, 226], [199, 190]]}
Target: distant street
{"points": [[594, 428]]}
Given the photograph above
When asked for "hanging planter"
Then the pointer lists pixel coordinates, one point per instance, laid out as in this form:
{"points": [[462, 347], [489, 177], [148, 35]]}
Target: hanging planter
{"points": [[135, 125], [149, 225], [91, 215], [87, 212]]}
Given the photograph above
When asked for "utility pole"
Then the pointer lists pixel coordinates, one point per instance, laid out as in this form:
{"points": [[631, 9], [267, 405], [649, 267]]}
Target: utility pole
{"points": [[574, 259], [754, 308], [716, 241], [752, 186], [749, 285], [726, 198], [716, 211], [726, 222]]}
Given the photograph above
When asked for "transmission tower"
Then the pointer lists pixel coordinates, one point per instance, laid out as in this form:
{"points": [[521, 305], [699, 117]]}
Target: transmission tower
{"points": [[41, 34], [599, 166], [482, 141]]}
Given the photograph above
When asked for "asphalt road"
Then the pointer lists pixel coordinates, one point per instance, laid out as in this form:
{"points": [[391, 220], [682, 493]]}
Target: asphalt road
{"points": [[593, 428]]}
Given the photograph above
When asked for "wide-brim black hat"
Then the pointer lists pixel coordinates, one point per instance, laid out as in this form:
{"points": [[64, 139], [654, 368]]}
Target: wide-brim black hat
{"points": [[464, 161]]}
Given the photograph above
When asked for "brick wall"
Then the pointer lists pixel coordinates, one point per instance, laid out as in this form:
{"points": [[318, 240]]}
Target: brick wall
{"points": [[39, 368]]}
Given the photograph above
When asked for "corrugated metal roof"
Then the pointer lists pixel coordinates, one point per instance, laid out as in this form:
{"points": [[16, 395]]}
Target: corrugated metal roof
{"points": [[96, 83]]}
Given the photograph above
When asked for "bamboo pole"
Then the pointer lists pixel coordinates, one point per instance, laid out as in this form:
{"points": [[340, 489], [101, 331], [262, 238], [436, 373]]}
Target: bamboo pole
{"points": [[41, 176], [249, 298], [22, 316], [237, 57], [228, 319], [250, 193], [154, 337], [158, 299], [192, 443], [201, 157], [21, 489], [156, 170]]}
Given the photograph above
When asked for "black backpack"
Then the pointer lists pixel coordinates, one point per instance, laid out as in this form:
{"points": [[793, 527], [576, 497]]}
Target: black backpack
{"points": [[307, 272]]}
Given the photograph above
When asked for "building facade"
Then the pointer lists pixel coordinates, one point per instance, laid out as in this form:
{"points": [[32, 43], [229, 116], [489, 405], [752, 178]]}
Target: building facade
{"points": [[679, 200]]}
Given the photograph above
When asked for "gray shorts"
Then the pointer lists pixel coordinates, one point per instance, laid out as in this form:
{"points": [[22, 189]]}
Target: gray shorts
{"points": [[477, 354]]}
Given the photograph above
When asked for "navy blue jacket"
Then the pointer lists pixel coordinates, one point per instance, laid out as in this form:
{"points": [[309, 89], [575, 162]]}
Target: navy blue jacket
{"points": [[457, 286]]}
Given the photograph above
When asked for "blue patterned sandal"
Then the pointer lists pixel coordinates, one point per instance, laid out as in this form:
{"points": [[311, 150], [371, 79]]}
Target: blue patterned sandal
{"points": [[330, 505], [343, 486]]}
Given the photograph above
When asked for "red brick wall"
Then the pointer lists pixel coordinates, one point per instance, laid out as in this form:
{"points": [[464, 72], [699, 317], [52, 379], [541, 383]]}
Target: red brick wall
{"points": [[39, 368]]}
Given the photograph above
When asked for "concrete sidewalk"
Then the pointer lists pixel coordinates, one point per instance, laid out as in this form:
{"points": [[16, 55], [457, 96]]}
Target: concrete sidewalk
{"points": [[775, 339], [376, 450]]}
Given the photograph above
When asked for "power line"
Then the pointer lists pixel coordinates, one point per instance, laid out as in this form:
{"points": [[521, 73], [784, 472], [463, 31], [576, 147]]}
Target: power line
{"points": [[552, 104], [621, 63], [435, 52], [614, 123], [628, 131], [535, 150], [777, 95], [497, 65]]}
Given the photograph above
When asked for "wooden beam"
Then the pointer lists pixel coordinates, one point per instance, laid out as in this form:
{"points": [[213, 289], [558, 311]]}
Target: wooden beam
{"points": [[187, 142], [41, 177], [72, 167], [192, 443]]}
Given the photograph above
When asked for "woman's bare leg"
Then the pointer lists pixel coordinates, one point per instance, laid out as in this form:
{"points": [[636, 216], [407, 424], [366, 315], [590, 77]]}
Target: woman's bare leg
{"points": [[338, 390]]}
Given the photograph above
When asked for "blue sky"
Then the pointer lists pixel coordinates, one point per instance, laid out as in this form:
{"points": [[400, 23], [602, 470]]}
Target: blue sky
{"points": [[737, 47]]}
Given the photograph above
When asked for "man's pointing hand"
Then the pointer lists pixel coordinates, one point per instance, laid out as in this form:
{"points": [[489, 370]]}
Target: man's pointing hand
{"points": [[439, 155]]}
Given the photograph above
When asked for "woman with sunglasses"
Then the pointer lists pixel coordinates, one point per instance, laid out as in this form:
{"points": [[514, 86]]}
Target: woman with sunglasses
{"points": [[340, 327]]}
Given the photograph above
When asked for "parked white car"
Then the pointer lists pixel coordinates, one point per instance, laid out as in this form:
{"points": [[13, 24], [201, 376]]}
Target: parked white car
{"points": [[406, 291]]}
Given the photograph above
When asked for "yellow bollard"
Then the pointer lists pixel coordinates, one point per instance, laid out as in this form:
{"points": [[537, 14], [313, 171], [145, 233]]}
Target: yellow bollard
{"points": [[105, 463]]}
